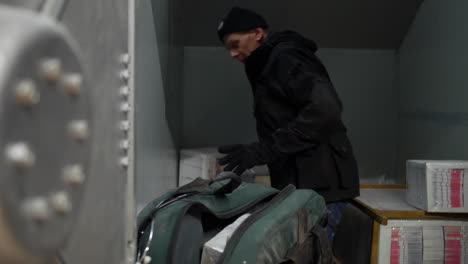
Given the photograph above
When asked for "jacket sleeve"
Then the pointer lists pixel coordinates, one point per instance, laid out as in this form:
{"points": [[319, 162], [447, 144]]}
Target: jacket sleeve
{"points": [[304, 83]]}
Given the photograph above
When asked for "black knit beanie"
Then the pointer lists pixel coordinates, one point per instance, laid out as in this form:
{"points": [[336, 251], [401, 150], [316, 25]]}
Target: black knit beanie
{"points": [[240, 20]]}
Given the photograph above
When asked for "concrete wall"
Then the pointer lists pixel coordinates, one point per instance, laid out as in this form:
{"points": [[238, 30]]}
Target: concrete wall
{"points": [[216, 99], [432, 81], [364, 80], [217, 103], [156, 151], [166, 16]]}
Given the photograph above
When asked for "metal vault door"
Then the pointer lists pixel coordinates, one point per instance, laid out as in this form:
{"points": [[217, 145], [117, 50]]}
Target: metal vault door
{"points": [[66, 132]]}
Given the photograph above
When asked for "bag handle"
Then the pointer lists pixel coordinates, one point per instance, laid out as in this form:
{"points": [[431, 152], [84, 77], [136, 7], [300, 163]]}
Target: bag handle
{"points": [[221, 186], [224, 183]]}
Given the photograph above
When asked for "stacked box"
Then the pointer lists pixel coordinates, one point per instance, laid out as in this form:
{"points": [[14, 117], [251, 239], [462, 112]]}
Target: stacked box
{"points": [[213, 249], [203, 163], [197, 163], [437, 186], [423, 241], [400, 232]]}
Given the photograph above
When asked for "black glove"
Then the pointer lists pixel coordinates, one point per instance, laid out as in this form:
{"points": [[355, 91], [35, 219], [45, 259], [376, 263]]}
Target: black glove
{"points": [[242, 157]]}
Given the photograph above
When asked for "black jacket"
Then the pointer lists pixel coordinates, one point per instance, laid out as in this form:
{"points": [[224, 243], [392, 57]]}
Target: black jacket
{"points": [[298, 113]]}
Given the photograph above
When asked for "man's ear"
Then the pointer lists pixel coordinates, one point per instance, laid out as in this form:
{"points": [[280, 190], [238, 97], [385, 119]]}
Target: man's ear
{"points": [[258, 33]]}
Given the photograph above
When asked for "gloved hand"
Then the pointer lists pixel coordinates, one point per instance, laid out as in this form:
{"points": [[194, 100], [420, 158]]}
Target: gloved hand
{"points": [[242, 157]]}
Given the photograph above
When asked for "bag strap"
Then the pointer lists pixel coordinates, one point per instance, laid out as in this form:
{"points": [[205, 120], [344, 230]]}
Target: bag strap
{"points": [[224, 183], [312, 246], [302, 232], [322, 244]]}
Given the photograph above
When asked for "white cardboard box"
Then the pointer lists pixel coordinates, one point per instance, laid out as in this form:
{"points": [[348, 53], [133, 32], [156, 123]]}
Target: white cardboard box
{"points": [[437, 186], [213, 249], [198, 163], [203, 163], [404, 235], [423, 241]]}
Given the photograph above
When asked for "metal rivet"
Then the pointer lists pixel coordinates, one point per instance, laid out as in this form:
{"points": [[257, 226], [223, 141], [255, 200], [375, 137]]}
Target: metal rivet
{"points": [[147, 260], [125, 107], [125, 75], [37, 209], [26, 93], [125, 144], [20, 155], [79, 129], [125, 125], [124, 91], [51, 70], [72, 83], [61, 202], [125, 58], [74, 175], [125, 161]]}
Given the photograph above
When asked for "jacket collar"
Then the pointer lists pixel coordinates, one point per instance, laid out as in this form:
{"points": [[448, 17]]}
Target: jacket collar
{"points": [[258, 58]]}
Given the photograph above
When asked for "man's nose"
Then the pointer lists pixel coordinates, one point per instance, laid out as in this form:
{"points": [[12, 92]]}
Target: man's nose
{"points": [[234, 53]]}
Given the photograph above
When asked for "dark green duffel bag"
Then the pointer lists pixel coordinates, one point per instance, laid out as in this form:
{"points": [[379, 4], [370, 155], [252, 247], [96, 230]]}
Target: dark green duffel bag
{"points": [[284, 226]]}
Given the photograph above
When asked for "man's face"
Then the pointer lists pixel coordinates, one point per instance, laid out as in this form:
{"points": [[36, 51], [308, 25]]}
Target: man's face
{"points": [[241, 44]]}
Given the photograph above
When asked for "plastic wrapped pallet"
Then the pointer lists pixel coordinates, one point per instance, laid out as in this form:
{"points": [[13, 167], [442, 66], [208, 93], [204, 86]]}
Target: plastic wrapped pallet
{"points": [[203, 163], [437, 186], [213, 249]]}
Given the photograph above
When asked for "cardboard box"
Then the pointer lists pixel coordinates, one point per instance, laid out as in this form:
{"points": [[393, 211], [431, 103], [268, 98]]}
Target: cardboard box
{"points": [[423, 241], [437, 186], [213, 249], [264, 180], [197, 163], [385, 229], [203, 163]]}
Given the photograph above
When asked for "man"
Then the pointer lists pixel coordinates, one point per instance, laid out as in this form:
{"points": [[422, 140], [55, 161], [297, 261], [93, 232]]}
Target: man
{"points": [[302, 138]]}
